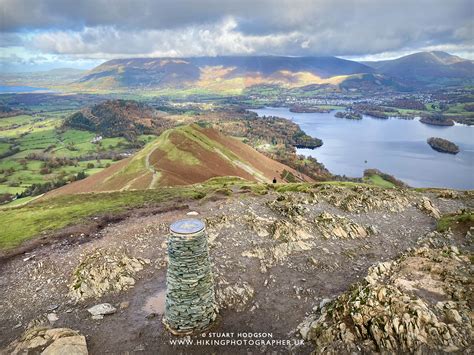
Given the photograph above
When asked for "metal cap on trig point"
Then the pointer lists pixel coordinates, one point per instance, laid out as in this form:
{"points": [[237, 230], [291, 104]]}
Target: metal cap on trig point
{"points": [[187, 227]]}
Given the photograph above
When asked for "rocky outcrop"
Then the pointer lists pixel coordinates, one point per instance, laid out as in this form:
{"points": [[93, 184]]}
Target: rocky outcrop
{"points": [[295, 230], [364, 198], [50, 341], [273, 255], [427, 206], [416, 303], [449, 194], [103, 272], [236, 296], [338, 227], [287, 206]]}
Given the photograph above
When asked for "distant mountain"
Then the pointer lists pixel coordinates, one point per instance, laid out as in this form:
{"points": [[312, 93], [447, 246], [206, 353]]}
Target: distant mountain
{"points": [[181, 156], [116, 118], [225, 73], [235, 74], [427, 68]]}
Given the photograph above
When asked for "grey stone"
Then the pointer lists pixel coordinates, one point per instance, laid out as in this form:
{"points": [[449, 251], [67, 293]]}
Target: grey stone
{"points": [[102, 309]]}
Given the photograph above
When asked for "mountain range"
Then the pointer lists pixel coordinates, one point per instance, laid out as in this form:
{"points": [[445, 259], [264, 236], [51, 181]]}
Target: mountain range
{"points": [[234, 74]]}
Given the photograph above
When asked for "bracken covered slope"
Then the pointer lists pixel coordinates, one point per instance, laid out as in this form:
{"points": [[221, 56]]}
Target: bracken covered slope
{"points": [[181, 156]]}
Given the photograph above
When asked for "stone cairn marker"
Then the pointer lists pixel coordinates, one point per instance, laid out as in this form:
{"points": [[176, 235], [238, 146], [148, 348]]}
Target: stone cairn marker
{"points": [[190, 298]]}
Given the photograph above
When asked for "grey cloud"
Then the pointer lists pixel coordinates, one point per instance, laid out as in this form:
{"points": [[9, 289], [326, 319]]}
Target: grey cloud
{"points": [[115, 28]]}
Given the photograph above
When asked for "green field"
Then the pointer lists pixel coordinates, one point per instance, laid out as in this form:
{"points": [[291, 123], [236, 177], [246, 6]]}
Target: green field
{"points": [[40, 134], [379, 181]]}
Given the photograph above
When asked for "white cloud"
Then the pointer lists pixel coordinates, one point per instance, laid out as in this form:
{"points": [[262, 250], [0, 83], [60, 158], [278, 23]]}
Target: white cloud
{"points": [[108, 42]]}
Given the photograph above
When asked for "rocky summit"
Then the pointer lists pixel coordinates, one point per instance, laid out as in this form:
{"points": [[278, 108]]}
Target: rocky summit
{"points": [[419, 302], [363, 269], [103, 272]]}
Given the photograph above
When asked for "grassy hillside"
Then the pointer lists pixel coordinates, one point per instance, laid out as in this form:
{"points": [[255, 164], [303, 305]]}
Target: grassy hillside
{"points": [[22, 223], [181, 156]]}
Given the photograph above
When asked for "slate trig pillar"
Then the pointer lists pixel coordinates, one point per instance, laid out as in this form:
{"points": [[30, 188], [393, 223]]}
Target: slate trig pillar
{"points": [[190, 299]]}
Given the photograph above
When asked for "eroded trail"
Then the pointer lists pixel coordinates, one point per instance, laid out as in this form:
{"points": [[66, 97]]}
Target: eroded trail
{"points": [[271, 254], [156, 174]]}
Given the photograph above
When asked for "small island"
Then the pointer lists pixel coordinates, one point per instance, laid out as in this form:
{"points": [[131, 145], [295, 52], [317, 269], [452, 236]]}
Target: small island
{"points": [[350, 115], [443, 145]]}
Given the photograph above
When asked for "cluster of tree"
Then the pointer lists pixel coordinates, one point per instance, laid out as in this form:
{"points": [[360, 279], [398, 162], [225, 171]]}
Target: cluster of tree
{"points": [[308, 109], [371, 110], [302, 140], [11, 151], [120, 118], [350, 115], [409, 104], [437, 119], [7, 111], [7, 171], [274, 130], [306, 165], [51, 162], [469, 107]]}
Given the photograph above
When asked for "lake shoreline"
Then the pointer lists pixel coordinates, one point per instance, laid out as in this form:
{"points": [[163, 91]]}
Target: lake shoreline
{"points": [[394, 145]]}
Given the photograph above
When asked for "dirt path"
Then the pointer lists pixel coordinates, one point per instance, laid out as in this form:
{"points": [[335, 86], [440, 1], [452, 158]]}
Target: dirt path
{"points": [[286, 282], [150, 167]]}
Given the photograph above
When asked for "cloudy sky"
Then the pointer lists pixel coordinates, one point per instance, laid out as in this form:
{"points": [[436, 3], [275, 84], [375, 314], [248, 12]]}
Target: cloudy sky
{"points": [[44, 34]]}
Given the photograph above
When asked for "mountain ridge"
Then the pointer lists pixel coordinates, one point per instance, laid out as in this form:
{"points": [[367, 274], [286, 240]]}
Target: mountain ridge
{"points": [[427, 67], [181, 156], [234, 74]]}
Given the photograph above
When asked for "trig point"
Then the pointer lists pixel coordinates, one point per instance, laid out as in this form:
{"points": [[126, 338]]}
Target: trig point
{"points": [[190, 299]]}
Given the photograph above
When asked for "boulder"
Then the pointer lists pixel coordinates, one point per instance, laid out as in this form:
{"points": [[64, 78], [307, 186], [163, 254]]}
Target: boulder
{"points": [[73, 345], [49, 341], [102, 309], [427, 206]]}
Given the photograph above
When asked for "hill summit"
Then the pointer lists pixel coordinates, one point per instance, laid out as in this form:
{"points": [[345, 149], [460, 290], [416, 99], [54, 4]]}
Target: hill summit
{"points": [[427, 68], [182, 156], [115, 118]]}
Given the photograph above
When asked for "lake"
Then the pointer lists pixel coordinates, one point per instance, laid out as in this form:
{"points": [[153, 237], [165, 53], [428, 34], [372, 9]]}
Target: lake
{"points": [[10, 89], [394, 146]]}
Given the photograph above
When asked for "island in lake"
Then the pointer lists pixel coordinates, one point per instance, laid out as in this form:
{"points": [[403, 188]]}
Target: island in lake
{"points": [[350, 115], [443, 145]]}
